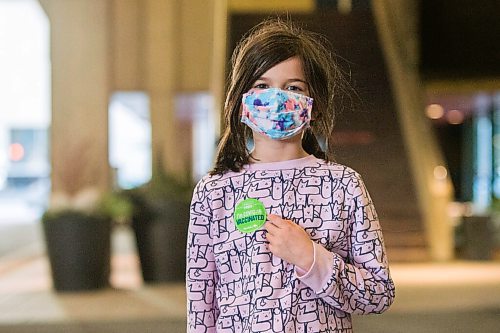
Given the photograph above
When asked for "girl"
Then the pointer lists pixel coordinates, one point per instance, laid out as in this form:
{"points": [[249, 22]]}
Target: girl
{"points": [[281, 238]]}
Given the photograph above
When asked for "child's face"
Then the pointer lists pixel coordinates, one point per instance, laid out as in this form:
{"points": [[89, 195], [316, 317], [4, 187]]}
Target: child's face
{"points": [[276, 106], [287, 75]]}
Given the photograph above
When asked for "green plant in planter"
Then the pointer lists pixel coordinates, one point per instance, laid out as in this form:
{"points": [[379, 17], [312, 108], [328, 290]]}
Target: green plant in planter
{"points": [[160, 221], [117, 205], [77, 230]]}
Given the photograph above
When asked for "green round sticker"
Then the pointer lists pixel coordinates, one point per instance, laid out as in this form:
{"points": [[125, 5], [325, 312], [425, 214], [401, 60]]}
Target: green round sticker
{"points": [[249, 215]]}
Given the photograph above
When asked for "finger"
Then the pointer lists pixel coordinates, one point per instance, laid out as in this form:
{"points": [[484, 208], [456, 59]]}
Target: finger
{"points": [[275, 219], [269, 237], [270, 227]]}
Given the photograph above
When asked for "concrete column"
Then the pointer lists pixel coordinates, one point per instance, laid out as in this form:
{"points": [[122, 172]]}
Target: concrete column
{"points": [[163, 47], [80, 91], [127, 44], [219, 55], [179, 59], [196, 42], [161, 50]]}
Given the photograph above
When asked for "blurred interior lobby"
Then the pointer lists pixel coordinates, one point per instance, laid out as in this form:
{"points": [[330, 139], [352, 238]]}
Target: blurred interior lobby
{"points": [[102, 96]]}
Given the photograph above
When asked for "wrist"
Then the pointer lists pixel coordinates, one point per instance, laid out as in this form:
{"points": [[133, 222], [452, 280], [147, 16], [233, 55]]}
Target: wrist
{"points": [[307, 259]]}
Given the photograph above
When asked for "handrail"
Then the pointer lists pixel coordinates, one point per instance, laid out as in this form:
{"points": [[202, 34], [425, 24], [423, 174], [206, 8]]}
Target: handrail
{"points": [[434, 189]]}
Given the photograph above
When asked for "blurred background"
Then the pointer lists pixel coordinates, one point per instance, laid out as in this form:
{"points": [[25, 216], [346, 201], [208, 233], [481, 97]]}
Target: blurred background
{"points": [[123, 99]]}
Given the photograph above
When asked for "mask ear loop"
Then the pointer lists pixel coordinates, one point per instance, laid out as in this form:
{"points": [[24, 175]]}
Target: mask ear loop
{"points": [[303, 133]]}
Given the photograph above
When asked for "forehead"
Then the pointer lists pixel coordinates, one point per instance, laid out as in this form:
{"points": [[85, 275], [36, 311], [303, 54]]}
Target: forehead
{"points": [[291, 68]]}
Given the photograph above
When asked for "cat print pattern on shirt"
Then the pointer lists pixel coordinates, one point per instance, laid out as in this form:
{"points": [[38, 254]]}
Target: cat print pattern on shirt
{"points": [[235, 284]]}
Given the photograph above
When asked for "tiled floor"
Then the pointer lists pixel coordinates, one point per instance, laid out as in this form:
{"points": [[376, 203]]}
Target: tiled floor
{"points": [[450, 297]]}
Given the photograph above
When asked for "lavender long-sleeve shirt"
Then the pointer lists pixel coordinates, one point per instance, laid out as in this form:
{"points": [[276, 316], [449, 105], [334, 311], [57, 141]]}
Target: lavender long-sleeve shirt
{"points": [[235, 284]]}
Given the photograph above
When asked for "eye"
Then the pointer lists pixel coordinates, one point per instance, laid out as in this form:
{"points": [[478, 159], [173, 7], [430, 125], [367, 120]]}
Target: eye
{"points": [[295, 88], [260, 86]]}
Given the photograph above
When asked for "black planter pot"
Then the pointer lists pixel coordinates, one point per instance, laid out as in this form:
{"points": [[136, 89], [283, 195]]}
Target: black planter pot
{"points": [[161, 233], [79, 250], [477, 237]]}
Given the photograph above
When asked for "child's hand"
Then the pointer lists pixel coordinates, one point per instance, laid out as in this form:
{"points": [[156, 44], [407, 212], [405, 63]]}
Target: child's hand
{"points": [[289, 241]]}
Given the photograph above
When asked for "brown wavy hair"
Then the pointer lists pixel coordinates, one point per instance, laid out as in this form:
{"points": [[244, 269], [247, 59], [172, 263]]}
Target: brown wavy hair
{"points": [[266, 45]]}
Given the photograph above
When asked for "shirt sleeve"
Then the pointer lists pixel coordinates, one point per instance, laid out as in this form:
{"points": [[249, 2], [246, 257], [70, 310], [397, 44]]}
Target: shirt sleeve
{"points": [[361, 283], [201, 273]]}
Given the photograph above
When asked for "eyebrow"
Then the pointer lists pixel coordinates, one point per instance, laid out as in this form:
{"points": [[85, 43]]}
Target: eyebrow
{"points": [[263, 78]]}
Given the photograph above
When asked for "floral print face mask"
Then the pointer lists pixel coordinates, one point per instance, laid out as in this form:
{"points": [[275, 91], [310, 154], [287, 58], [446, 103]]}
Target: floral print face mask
{"points": [[277, 113]]}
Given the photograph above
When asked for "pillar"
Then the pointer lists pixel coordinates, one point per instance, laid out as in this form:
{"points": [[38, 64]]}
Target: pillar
{"points": [[80, 91], [181, 52]]}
